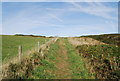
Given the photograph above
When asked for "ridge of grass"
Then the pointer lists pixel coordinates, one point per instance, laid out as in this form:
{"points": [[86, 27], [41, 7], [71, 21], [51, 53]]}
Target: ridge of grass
{"points": [[77, 65], [46, 70]]}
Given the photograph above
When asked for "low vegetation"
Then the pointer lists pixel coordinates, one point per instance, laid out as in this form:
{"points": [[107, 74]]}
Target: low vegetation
{"points": [[103, 60], [46, 70], [25, 68], [113, 39], [79, 71]]}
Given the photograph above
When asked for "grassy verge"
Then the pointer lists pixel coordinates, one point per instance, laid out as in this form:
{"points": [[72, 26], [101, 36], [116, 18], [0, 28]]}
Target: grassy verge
{"points": [[104, 60], [10, 45], [46, 70], [35, 67], [77, 66]]}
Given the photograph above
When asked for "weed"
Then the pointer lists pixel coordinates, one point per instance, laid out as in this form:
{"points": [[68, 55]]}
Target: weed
{"points": [[103, 58]]}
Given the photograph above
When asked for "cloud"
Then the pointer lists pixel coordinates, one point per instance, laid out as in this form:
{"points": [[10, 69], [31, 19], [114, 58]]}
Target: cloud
{"points": [[55, 17], [53, 21], [30, 20], [78, 30], [92, 8], [60, 0], [97, 9]]}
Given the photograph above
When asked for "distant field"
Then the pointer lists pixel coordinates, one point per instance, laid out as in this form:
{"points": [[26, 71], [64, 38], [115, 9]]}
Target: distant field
{"points": [[10, 44]]}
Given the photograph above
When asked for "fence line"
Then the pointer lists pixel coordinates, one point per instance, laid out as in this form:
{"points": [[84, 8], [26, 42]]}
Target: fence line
{"points": [[40, 48]]}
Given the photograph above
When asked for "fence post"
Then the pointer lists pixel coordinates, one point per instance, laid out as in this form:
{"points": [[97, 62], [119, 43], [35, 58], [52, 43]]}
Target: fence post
{"points": [[38, 46], [20, 52], [41, 53]]}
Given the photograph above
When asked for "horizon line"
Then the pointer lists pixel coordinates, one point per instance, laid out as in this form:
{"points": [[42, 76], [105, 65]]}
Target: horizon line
{"points": [[60, 36]]}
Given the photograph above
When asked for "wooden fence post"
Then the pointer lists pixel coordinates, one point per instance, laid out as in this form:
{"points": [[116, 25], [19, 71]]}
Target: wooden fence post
{"points": [[20, 52], [38, 46], [42, 53]]}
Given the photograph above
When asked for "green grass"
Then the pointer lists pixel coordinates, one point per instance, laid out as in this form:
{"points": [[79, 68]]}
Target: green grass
{"points": [[10, 44], [52, 52], [42, 72], [78, 68], [45, 71]]}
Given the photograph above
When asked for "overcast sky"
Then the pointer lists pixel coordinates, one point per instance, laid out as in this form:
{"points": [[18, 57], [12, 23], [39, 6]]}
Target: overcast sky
{"points": [[60, 18]]}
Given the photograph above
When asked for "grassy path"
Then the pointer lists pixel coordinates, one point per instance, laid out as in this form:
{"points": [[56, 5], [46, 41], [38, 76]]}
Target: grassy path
{"points": [[77, 65], [62, 62]]}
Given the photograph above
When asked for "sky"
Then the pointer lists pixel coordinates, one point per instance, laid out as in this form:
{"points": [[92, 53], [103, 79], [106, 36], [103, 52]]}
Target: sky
{"points": [[59, 18], [60, 0]]}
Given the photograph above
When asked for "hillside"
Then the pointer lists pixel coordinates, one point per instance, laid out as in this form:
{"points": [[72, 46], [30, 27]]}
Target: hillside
{"points": [[107, 38], [86, 57]]}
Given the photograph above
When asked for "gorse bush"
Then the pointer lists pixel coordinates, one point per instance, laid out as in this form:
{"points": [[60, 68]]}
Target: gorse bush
{"points": [[107, 38], [104, 59]]}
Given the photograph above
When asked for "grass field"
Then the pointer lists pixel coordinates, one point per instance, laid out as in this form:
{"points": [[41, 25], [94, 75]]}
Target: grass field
{"points": [[65, 60], [10, 44]]}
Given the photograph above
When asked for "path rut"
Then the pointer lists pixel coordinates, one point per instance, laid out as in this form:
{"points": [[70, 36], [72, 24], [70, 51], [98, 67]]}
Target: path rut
{"points": [[62, 65]]}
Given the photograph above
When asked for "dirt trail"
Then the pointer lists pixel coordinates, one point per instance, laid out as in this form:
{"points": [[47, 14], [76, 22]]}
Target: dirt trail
{"points": [[62, 64], [84, 41]]}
